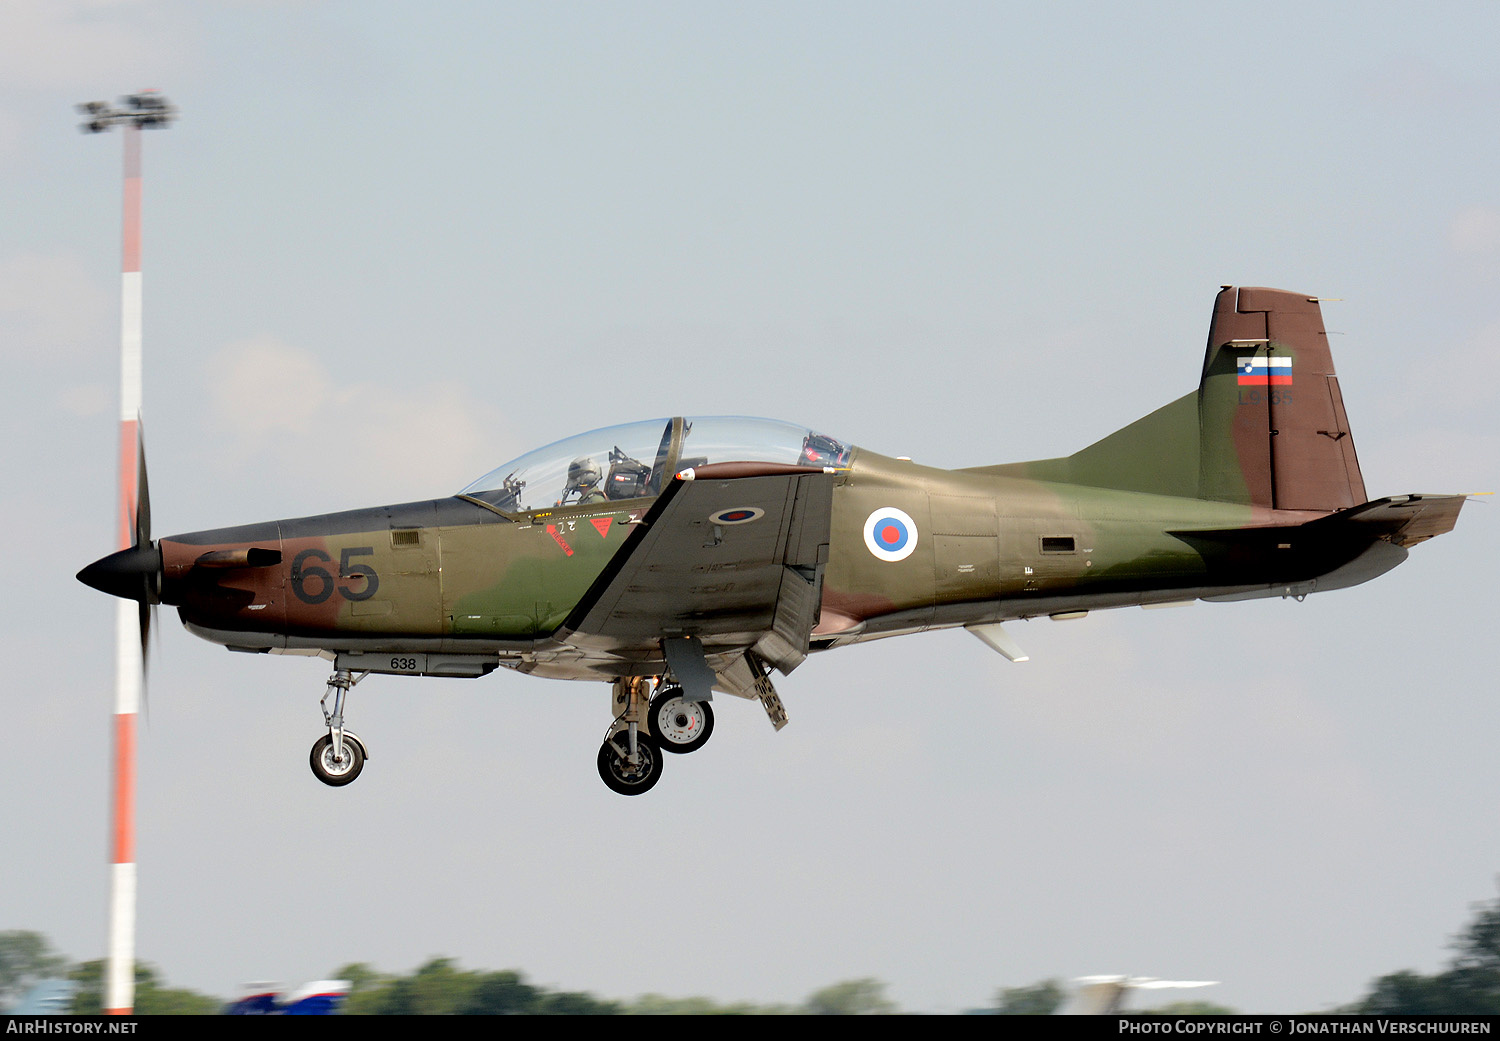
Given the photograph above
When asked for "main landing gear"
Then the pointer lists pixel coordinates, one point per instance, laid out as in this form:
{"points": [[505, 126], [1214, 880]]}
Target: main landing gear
{"points": [[680, 725], [630, 760], [339, 756]]}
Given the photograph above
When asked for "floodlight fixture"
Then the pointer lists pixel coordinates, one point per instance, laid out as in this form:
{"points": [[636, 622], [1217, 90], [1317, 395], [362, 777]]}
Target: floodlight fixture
{"points": [[146, 108]]}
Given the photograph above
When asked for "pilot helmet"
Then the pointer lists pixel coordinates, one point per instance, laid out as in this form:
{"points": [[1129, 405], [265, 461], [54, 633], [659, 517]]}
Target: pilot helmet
{"points": [[583, 473]]}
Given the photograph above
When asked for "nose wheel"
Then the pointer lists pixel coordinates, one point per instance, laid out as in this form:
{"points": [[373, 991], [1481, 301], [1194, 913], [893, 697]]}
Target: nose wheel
{"points": [[332, 768]]}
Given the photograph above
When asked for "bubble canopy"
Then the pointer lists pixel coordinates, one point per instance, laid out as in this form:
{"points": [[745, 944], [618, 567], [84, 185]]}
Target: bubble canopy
{"points": [[631, 460]]}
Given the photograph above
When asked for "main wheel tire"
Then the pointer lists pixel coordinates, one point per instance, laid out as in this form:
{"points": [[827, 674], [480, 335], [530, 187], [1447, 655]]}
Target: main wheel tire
{"points": [[617, 772], [329, 770], [680, 726]]}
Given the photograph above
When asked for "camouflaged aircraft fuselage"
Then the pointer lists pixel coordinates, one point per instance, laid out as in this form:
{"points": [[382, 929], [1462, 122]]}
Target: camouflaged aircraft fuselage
{"points": [[449, 577]]}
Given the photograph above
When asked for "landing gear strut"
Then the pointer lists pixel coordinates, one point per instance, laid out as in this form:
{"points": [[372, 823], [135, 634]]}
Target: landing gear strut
{"points": [[630, 760], [339, 756]]}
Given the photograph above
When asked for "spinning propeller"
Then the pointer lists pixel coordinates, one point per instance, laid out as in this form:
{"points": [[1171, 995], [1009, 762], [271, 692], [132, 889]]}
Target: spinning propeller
{"points": [[132, 573]]}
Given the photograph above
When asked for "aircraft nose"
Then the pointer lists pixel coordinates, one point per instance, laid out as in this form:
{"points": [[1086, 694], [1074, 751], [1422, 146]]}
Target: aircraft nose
{"points": [[134, 573]]}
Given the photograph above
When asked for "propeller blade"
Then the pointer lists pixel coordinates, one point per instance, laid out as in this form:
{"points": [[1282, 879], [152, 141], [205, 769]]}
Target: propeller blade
{"points": [[143, 494], [150, 592], [147, 616]]}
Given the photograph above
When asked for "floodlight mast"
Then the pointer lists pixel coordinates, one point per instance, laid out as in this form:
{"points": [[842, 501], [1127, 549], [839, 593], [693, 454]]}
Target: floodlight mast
{"points": [[143, 109]]}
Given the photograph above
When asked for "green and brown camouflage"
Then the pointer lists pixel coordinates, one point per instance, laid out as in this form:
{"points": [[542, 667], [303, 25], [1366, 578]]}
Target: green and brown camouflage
{"points": [[761, 553]]}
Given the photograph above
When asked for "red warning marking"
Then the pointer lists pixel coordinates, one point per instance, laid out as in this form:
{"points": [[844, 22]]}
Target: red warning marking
{"points": [[557, 537], [601, 525]]}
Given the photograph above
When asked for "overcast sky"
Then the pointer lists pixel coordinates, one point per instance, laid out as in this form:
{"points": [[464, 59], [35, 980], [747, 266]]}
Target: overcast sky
{"points": [[389, 246]]}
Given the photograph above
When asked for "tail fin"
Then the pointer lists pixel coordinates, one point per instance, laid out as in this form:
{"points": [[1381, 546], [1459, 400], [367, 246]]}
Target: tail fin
{"points": [[1272, 428], [1266, 427]]}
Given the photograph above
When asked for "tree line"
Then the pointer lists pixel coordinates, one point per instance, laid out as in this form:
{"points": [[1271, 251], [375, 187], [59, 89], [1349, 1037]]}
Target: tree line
{"points": [[1470, 985], [439, 987]]}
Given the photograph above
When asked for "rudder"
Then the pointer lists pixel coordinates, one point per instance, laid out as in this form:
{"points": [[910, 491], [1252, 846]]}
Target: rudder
{"points": [[1272, 427]]}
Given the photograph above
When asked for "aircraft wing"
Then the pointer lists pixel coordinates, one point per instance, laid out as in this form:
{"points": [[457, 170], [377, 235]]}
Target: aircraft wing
{"points": [[731, 553]]}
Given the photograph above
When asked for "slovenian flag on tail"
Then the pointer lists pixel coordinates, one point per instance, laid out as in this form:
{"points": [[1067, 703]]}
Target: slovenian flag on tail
{"points": [[1263, 371]]}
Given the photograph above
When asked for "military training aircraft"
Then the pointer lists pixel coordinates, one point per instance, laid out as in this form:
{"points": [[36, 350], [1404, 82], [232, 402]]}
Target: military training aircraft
{"points": [[677, 557]]}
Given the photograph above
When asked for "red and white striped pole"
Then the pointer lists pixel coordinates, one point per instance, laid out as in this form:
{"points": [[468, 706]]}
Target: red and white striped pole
{"points": [[141, 110], [119, 990]]}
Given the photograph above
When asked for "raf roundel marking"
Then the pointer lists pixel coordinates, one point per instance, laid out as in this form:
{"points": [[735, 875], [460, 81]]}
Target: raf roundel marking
{"points": [[737, 515], [890, 534]]}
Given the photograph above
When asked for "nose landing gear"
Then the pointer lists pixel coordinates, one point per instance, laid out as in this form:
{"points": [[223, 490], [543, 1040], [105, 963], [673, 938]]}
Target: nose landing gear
{"points": [[339, 756]]}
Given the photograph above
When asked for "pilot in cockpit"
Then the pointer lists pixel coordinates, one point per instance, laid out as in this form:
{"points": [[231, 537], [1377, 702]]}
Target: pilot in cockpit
{"points": [[583, 483]]}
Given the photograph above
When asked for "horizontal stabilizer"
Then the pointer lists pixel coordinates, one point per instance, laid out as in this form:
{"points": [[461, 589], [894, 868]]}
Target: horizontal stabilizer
{"points": [[1334, 552], [1403, 519]]}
